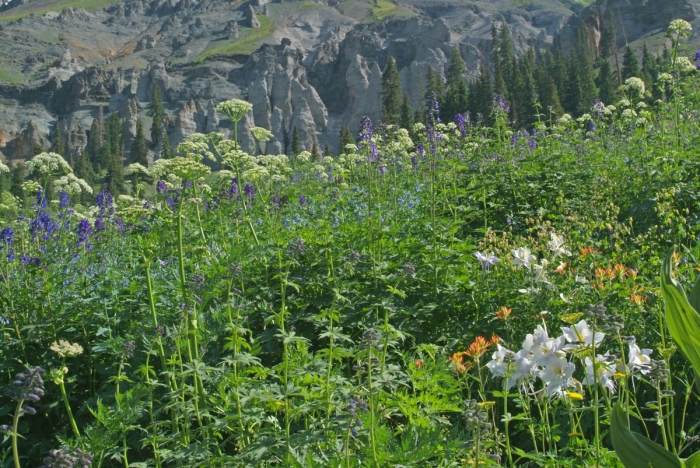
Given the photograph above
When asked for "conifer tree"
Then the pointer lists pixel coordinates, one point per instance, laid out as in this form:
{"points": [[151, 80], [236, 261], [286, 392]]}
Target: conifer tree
{"points": [[549, 95], [506, 56], [572, 99], [607, 83], [296, 144], [608, 35], [59, 145], [166, 151], [630, 64], [345, 138], [391, 93], [406, 118], [93, 146], [456, 95], [315, 153], [139, 150], [480, 97], [327, 151], [584, 64], [434, 85], [17, 180], [498, 77], [157, 112]]}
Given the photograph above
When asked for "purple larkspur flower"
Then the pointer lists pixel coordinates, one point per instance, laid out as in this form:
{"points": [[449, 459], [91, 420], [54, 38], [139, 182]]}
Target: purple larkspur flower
{"points": [[7, 235], [161, 187], [461, 122], [382, 170], [233, 189], [598, 109], [302, 200], [99, 225], [366, 130], [120, 225], [432, 108], [104, 201], [500, 106], [84, 231], [697, 56], [62, 199], [249, 191]]}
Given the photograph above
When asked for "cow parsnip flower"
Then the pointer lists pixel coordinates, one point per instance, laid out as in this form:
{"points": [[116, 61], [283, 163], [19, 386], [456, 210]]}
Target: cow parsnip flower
{"points": [[679, 26], [30, 186], [635, 86], [261, 134], [72, 185], [234, 109], [136, 168], [4, 168], [49, 164], [65, 349], [183, 168]]}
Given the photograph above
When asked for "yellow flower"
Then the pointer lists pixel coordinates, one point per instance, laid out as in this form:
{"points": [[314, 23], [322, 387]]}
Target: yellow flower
{"points": [[574, 396], [619, 375]]}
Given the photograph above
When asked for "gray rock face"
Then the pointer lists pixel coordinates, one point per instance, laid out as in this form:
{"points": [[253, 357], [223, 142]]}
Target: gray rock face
{"points": [[251, 18], [23, 146], [319, 70], [636, 19]]}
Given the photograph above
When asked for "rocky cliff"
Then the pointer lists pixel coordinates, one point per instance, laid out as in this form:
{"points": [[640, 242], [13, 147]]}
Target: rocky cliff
{"points": [[313, 65]]}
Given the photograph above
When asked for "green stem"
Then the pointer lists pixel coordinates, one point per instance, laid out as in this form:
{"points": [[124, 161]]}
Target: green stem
{"points": [[68, 410], [15, 423]]}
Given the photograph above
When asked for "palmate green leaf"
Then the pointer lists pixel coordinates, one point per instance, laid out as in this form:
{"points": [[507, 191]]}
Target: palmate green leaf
{"points": [[635, 450], [683, 320]]}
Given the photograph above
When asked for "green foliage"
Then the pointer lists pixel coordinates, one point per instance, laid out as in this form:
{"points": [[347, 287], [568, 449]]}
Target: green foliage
{"points": [[681, 314], [636, 451]]}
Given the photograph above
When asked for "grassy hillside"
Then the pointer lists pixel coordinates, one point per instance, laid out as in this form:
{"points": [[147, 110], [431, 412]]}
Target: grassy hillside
{"points": [[57, 6], [245, 44]]}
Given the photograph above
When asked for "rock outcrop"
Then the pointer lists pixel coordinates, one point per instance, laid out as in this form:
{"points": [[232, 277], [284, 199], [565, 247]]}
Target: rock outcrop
{"points": [[318, 71]]}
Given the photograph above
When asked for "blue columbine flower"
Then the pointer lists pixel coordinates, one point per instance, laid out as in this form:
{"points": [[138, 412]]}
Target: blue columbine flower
{"points": [[486, 260]]}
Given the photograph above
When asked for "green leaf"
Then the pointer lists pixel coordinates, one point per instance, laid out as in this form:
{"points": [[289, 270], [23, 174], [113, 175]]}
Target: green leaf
{"points": [[683, 320], [635, 450], [693, 461]]}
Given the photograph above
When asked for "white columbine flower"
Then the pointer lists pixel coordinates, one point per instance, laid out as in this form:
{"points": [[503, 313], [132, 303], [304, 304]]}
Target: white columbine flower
{"points": [[556, 373], [540, 271], [486, 260], [505, 363], [556, 245], [580, 334], [523, 257], [639, 359], [541, 346], [605, 370]]}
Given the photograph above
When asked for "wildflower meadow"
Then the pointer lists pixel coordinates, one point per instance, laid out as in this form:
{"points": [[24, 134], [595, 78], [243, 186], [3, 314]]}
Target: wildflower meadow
{"points": [[454, 294]]}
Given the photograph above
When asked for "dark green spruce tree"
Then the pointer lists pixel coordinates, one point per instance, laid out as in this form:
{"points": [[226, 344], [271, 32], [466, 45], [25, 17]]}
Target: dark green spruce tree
{"points": [[166, 151], [630, 64], [17, 180], [345, 138], [315, 153], [139, 150], [59, 143], [406, 117], [456, 91], [607, 83], [480, 97], [296, 144], [391, 94], [608, 35], [157, 112]]}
